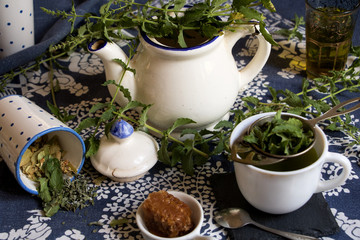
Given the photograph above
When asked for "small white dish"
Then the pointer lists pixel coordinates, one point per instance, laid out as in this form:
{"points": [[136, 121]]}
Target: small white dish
{"points": [[125, 155], [197, 216]]}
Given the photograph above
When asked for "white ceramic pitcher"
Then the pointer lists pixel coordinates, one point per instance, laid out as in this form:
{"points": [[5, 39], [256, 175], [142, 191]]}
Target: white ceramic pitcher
{"points": [[200, 83]]}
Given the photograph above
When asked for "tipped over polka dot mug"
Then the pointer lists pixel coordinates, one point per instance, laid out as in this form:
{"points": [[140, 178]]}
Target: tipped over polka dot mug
{"points": [[21, 123], [16, 26]]}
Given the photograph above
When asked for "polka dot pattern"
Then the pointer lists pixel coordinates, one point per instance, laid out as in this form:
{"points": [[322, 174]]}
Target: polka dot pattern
{"points": [[21, 123], [16, 26]]}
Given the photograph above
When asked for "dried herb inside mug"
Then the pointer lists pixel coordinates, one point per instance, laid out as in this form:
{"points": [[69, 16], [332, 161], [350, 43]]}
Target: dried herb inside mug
{"points": [[280, 136], [34, 157]]}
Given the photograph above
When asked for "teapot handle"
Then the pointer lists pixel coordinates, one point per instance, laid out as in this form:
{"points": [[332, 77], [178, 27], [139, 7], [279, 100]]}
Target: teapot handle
{"points": [[258, 61]]}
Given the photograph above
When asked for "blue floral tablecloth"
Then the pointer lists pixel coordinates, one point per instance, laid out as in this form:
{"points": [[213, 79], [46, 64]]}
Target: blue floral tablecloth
{"points": [[21, 216]]}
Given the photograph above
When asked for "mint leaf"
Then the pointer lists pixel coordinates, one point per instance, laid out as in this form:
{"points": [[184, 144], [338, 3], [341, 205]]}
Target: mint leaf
{"points": [[237, 4], [124, 65], [195, 13], [52, 170], [92, 146], [179, 4], [280, 136], [180, 122], [98, 106], [163, 154], [87, 123], [209, 30], [51, 209], [217, 3], [43, 190]]}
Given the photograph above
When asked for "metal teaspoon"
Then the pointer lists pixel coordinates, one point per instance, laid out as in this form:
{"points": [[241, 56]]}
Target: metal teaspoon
{"points": [[237, 217]]}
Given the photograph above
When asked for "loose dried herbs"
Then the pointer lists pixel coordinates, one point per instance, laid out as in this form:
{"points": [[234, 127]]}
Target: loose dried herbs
{"points": [[77, 194], [34, 157], [43, 162], [56, 193]]}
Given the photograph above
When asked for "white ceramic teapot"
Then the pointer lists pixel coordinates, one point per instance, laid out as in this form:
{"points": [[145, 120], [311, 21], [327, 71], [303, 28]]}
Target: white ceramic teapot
{"points": [[200, 83]]}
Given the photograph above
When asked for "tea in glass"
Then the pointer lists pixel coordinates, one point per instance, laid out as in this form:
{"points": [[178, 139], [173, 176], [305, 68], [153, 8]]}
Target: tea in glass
{"points": [[329, 30]]}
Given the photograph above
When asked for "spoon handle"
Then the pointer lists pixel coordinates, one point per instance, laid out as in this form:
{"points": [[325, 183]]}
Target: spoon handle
{"points": [[333, 112], [288, 235]]}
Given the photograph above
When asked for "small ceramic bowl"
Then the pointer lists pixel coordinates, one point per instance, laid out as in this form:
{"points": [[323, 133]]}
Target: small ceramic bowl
{"points": [[197, 217], [21, 123]]}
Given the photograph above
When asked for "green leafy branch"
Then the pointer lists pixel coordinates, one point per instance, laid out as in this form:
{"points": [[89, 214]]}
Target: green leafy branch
{"points": [[205, 143], [168, 20], [172, 151], [294, 32], [304, 104]]}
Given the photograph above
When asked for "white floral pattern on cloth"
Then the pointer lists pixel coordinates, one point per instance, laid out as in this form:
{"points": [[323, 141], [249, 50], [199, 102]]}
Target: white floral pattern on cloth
{"points": [[72, 234], [84, 63], [37, 228], [37, 83], [350, 226]]}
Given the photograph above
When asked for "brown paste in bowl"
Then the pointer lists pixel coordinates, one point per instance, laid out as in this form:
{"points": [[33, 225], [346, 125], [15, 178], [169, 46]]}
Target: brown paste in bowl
{"points": [[166, 216]]}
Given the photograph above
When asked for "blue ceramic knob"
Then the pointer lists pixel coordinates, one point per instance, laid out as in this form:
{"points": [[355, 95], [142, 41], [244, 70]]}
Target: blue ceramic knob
{"points": [[121, 129]]}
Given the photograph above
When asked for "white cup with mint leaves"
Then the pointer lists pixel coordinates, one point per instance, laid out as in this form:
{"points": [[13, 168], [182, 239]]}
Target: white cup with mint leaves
{"points": [[22, 125], [286, 186]]}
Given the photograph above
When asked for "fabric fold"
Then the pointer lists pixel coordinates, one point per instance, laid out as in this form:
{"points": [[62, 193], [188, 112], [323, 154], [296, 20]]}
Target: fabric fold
{"points": [[54, 35]]}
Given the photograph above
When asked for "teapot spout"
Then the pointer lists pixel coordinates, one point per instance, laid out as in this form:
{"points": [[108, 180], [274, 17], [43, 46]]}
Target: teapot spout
{"points": [[114, 71]]}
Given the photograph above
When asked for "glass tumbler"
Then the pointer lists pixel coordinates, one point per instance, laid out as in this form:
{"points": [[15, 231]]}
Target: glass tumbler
{"points": [[329, 30]]}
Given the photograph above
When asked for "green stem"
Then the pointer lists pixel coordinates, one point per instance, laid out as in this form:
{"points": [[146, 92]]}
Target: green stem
{"points": [[51, 79], [157, 131], [120, 81]]}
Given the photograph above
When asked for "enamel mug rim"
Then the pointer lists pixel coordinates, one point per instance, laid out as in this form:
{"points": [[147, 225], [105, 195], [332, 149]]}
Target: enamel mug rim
{"points": [[20, 176], [285, 173], [67, 137]]}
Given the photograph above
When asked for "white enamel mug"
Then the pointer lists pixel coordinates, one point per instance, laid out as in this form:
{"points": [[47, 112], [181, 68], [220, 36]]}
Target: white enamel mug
{"points": [[21, 123], [16, 26], [280, 192]]}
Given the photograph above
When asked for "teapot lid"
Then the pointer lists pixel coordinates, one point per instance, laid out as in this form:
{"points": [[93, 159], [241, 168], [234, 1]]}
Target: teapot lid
{"points": [[125, 155]]}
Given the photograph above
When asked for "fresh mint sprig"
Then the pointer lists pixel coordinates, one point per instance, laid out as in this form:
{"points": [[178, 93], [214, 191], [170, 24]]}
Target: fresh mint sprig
{"points": [[294, 32], [168, 20], [281, 136]]}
